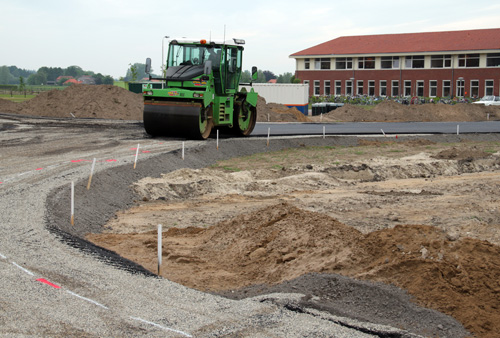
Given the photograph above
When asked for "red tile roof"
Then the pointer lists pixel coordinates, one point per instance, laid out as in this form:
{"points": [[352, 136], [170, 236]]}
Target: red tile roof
{"points": [[479, 39]]}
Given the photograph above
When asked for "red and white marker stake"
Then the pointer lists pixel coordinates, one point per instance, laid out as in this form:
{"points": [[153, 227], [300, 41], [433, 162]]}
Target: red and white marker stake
{"points": [[182, 150], [268, 134]]}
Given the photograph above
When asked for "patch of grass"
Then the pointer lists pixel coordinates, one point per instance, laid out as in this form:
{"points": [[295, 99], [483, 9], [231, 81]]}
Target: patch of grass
{"points": [[16, 97], [492, 151], [233, 169]]}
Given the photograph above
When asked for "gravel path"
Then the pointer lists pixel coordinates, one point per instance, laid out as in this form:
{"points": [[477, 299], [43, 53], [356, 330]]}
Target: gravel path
{"points": [[50, 287]]}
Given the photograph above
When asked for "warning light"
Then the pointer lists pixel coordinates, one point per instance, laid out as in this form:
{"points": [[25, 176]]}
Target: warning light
{"points": [[203, 41]]}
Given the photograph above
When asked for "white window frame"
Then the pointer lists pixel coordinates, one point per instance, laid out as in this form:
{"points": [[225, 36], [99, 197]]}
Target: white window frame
{"points": [[394, 60], [407, 88], [382, 86], [347, 61], [433, 87], [348, 87], [446, 84], [359, 85], [460, 88], [420, 86], [363, 61], [317, 87], [307, 63], [474, 86], [464, 60], [326, 84], [488, 89], [394, 88], [338, 87], [410, 61], [371, 87], [445, 61]]}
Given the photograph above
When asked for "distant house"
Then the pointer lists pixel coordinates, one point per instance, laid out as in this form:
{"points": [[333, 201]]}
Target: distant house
{"points": [[86, 79], [59, 78], [272, 81], [71, 81]]}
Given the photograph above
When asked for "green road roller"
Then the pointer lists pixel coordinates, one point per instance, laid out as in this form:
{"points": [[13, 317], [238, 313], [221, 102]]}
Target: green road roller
{"points": [[199, 91]]}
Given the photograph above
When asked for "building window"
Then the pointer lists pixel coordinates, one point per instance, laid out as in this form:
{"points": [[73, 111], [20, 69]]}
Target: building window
{"points": [[488, 87], [321, 63], [343, 63], [468, 60], [383, 88], [338, 87], [407, 89], [420, 88], [493, 60], [433, 88], [316, 87], [447, 88], [359, 87], [414, 61], [307, 64], [474, 88], [441, 61], [371, 88], [327, 87], [395, 88], [366, 62], [389, 62], [460, 87], [348, 88]]}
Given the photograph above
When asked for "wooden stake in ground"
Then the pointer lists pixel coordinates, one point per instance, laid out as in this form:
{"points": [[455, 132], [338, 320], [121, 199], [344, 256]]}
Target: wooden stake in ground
{"points": [[159, 249], [217, 139], [136, 154], [72, 203], [91, 173]]}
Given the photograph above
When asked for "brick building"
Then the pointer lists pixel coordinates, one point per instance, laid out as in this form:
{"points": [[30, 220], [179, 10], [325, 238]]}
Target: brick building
{"points": [[438, 64]]}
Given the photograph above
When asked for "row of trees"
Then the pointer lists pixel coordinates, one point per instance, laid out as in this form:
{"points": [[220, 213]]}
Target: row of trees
{"points": [[16, 76]]}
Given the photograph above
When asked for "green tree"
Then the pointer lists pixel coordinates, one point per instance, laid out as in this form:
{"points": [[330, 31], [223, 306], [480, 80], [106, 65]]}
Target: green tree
{"points": [[22, 86], [5, 76], [261, 78], [37, 79], [293, 79], [108, 80], [246, 77], [285, 78], [99, 78], [74, 71], [52, 73], [136, 71], [269, 75]]}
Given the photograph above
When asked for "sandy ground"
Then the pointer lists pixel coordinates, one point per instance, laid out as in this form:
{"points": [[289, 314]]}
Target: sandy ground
{"points": [[416, 214]]}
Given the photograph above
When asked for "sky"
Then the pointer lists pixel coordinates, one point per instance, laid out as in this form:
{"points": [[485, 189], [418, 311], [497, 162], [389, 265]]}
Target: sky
{"points": [[105, 36]]}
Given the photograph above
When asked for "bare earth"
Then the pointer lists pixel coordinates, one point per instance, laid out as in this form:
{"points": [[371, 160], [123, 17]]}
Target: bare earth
{"points": [[420, 215]]}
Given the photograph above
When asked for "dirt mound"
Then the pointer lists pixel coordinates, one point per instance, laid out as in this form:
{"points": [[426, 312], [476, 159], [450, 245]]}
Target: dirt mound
{"points": [[278, 243], [8, 106], [84, 101], [390, 111], [274, 112], [461, 154]]}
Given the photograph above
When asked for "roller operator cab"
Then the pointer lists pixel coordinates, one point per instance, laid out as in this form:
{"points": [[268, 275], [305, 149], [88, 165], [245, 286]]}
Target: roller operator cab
{"points": [[199, 91]]}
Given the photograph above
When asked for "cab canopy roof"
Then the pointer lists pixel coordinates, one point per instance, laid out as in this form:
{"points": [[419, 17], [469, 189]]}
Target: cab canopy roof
{"points": [[231, 42]]}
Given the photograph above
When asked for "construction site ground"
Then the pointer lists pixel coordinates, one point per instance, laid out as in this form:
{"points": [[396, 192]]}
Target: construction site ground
{"points": [[375, 229]]}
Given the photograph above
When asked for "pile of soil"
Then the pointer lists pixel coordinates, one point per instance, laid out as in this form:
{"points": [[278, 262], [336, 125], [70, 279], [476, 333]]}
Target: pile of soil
{"points": [[82, 101], [390, 111], [461, 154], [456, 276], [275, 112]]}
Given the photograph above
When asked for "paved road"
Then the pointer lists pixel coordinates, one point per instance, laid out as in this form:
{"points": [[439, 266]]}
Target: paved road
{"points": [[374, 128]]}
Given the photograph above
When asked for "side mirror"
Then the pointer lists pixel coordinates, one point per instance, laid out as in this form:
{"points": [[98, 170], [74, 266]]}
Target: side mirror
{"points": [[148, 65], [254, 73], [207, 67]]}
